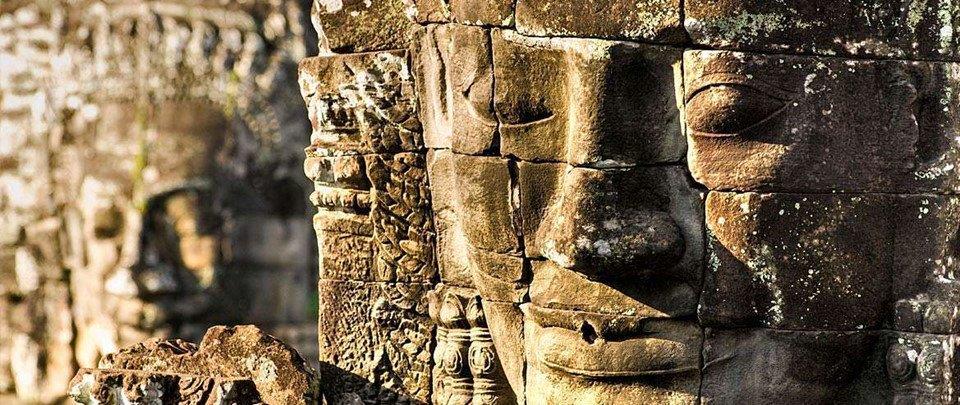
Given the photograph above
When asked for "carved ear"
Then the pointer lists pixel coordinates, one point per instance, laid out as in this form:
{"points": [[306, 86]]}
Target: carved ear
{"points": [[730, 109]]}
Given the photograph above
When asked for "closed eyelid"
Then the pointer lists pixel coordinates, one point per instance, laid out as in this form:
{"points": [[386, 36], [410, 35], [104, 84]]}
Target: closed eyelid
{"points": [[709, 81]]}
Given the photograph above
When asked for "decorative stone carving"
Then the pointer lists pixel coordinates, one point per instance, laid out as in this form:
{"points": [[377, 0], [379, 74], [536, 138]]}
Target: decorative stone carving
{"points": [[374, 226], [466, 367]]}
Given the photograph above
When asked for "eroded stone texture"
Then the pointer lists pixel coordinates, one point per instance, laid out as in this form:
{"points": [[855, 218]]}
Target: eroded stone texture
{"points": [[828, 366], [375, 342], [813, 263], [241, 361], [874, 28], [374, 226], [498, 13], [368, 25], [759, 122], [832, 262], [644, 20], [119, 386], [455, 72], [592, 102]]}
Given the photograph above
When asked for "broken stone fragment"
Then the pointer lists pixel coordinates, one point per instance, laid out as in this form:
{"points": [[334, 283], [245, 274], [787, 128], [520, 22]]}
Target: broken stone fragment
{"points": [[277, 372], [116, 387], [904, 29], [645, 20]]}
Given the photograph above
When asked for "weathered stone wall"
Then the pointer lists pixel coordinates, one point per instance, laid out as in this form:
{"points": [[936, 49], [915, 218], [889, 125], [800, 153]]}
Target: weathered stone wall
{"points": [[653, 201], [150, 154]]}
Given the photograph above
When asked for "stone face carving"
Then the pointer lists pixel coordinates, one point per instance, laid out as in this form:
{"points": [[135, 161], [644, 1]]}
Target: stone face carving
{"points": [[239, 364], [654, 205]]}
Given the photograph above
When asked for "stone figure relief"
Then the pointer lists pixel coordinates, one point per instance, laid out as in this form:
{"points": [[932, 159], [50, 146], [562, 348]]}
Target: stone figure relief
{"points": [[734, 202]]}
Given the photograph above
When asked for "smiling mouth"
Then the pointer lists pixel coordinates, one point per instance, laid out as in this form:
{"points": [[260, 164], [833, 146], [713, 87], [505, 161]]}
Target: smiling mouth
{"points": [[596, 346]]}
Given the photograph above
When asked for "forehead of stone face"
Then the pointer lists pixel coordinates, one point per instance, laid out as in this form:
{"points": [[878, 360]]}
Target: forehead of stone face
{"points": [[810, 123], [183, 140], [586, 101], [879, 28], [649, 20]]}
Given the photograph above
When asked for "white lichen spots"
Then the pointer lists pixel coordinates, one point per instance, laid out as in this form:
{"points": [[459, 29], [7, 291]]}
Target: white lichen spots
{"points": [[915, 14], [602, 247], [766, 272], [747, 26], [652, 17], [808, 82], [945, 15], [261, 368], [721, 221]]}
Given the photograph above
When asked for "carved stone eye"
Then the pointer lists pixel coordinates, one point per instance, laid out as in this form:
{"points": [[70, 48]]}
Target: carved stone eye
{"points": [[729, 109]]}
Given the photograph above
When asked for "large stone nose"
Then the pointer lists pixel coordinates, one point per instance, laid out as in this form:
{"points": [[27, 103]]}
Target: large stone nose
{"points": [[600, 226]]}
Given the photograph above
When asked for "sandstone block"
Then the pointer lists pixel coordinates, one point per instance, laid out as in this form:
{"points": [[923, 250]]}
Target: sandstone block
{"points": [[831, 261], [455, 75], [360, 26], [375, 341], [763, 122], [645, 20], [873, 28], [592, 102], [497, 13]]}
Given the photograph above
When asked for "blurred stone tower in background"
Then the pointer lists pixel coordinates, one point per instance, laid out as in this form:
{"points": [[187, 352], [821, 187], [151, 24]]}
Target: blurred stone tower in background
{"points": [[150, 179]]}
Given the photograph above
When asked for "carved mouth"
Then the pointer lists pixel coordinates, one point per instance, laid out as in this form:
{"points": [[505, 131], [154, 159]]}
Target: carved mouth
{"points": [[611, 347]]}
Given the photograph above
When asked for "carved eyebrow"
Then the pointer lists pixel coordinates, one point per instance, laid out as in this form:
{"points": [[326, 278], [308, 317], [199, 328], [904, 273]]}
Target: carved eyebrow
{"points": [[712, 80]]}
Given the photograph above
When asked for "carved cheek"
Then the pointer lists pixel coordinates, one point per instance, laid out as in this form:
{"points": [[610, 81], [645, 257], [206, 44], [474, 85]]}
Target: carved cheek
{"points": [[729, 109]]}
